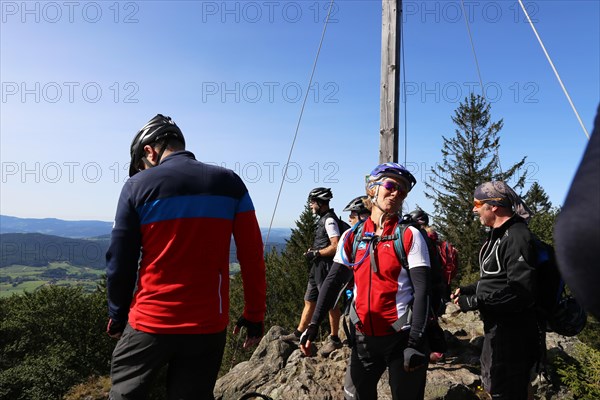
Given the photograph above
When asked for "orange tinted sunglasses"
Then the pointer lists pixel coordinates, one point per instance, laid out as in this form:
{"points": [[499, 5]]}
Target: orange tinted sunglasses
{"points": [[479, 203]]}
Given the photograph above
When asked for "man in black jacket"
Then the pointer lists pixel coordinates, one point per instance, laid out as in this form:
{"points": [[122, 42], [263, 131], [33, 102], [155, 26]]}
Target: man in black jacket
{"points": [[505, 293]]}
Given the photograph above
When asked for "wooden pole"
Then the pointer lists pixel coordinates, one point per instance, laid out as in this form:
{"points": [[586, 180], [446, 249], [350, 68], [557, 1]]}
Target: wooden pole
{"points": [[390, 80]]}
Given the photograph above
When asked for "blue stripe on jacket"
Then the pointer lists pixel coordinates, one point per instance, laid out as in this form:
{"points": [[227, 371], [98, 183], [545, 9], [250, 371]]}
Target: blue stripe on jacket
{"points": [[195, 206], [245, 203]]}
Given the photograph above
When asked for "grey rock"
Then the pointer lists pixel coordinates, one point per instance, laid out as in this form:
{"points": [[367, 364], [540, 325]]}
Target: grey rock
{"points": [[279, 370]]}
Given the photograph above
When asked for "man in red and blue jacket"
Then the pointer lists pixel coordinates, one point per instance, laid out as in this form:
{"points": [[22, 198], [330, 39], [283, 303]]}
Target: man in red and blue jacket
{"points": [[168, 267]]}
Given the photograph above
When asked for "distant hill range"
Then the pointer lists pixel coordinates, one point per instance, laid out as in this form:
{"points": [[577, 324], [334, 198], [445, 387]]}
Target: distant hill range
{"points": [[38, 250], [38, 242], [53, 226]]}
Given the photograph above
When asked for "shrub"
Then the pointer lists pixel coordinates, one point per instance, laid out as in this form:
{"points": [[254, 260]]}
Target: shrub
{"points": [[51, 340], [581, 374]]}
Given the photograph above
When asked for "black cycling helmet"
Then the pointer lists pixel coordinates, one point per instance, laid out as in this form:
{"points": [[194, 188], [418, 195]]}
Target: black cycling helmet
{"points": [[156, 129], [320, 193], [419, 216], [568, 319], [357, 205]]}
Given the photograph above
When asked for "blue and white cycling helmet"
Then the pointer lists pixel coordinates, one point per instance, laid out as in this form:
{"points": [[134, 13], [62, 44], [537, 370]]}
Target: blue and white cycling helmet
{"points": [[392, 170]]}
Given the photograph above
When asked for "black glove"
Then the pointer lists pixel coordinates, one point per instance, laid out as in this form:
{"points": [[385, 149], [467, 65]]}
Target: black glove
{"points": [[115, 329], [414, 359], [309, 334], [468, 290], [468, 303], [253, 329], [311, 254]]}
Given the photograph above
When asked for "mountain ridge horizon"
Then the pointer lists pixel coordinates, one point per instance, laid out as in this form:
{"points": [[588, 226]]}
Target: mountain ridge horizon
{"points": [[88, 228]]}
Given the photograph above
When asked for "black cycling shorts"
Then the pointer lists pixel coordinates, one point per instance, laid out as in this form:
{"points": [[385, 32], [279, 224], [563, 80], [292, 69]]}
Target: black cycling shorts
{"points": [[316, 277]]}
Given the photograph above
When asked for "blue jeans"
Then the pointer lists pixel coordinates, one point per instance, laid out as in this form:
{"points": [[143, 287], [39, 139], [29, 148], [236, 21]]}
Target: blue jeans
{"points": [[193, 364]]}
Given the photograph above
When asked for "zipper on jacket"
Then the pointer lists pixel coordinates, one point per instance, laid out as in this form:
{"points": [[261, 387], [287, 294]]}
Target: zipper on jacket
{"points": [[219, 293]]}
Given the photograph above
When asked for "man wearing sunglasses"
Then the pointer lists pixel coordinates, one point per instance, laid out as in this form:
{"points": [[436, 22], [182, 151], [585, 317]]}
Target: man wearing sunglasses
{"points": [[505, 293], [168, 267]]}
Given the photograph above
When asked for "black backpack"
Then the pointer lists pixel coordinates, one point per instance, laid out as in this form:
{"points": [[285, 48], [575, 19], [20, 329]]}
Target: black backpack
{"points": [[558, 311], [343, 226]]}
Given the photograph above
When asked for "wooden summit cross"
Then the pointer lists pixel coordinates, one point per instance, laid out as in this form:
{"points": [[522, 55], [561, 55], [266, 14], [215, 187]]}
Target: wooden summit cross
{"points": [[390, 78]]}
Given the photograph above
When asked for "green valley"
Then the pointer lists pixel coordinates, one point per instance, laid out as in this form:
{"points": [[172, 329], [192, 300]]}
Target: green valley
{"points": [[21, 278]]}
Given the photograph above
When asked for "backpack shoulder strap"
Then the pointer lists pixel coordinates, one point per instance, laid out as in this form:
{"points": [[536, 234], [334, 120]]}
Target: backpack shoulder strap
{"points": [[357, 232], [399, 244]]}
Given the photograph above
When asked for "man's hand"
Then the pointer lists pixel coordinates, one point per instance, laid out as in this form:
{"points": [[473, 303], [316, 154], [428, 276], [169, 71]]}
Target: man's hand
{"points": [[307, 338], [454, 296], [467, 303], [414, 359], [115, 329], [311, 254], [254, 331]]}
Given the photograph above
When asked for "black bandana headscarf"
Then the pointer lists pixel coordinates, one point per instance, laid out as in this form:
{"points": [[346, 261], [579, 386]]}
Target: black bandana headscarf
{"points": [[498, 193]]}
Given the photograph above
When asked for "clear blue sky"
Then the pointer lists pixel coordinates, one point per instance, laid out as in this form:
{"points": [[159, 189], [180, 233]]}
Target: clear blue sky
{"points": [[80, 78]]}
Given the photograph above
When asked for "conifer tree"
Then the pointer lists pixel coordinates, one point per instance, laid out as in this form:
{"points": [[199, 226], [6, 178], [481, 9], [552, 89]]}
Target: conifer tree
{"points": [[288, 277], [287, 274], [469, 158], [544, 215], [303, 235], [542, 224], [537, 199]]}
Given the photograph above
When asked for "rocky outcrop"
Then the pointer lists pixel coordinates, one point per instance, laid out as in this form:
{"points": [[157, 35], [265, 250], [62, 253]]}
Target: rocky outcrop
{"points": [[279, 370]]}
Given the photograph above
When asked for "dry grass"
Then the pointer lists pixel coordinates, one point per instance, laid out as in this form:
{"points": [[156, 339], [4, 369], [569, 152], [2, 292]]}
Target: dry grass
{"points": [[96, 388]]}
